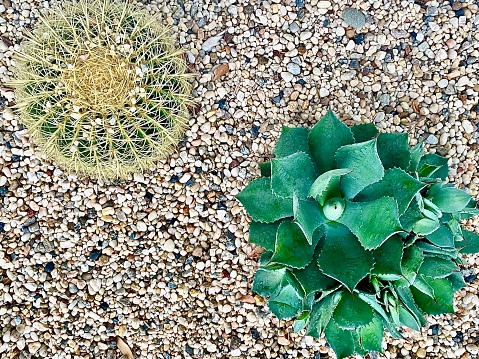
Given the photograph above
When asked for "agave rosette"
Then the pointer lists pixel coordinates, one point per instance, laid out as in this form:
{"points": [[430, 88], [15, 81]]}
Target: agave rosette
{"points": [[360, 233]]}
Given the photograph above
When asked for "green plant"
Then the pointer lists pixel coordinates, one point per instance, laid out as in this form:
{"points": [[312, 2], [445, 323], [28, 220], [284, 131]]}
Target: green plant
{"points": [[101, 88], [360, 232]]}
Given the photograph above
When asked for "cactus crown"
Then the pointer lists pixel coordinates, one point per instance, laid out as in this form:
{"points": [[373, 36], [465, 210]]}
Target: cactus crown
{"points": [[101, 88]]}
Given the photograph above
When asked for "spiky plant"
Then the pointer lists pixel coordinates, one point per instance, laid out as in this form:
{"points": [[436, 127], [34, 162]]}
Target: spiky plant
{"points": [[101, 88], [361, 233]]}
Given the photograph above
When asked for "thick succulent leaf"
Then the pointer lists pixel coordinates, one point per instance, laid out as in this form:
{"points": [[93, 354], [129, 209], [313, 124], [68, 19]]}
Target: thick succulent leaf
{"points": [[407, 319], [411, 216], [443, 252], [388, 259], [441, 237], [364, 132], [265, 169], [396, 183], [407, 299], [268, 280], [372, 222], [312, 279], [371, 335], [450, 199], [344, 342], [373, 302], [352, 312], [469, 212], [326, 186], [263, 234], [366, 167], [470, 244], [425, 226], [423, 286], [393, 149], [355, 262], [434, 267], [457, 281], [286, 303], [292, 175], [261, 204], [416, 154], [265, 258], [292, 140], [411, 262], [292, 247], [301, 322], [322, 313], [443, 293], [440, 162], [309, 216], [325, 138]]}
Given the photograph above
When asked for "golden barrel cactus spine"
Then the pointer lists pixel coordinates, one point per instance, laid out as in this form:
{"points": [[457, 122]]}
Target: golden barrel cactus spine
{"points": [[101, 88]]}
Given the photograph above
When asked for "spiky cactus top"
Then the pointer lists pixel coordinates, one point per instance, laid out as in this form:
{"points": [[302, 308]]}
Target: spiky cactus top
{"points": [[101, 88]]}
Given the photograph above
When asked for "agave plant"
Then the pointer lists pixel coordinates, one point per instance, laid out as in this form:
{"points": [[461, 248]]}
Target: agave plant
{"points": [[360, 233], [101, 88]]}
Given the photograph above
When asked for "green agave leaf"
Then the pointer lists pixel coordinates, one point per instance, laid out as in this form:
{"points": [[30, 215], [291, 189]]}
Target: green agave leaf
{"points": [[286, 303], [344, 342], [352, 312], [396, 183], [265, 258], [425, 226], [364, 132], [292, 140], [265, 169], [470, 245], [326, 186], [292, 175], [393, 149], [268, 280], [388, 259], [407, 299], [261, 204], [469, 212], [440, 162], [363, 159], [411, 262], [356, 262], [441, 237], [292, 247], [301, 322], [373, 302], [434, 267], [444, 296], [411, 216], [457, 281], [423, 286], [322, 313], [450, 199], [416, 154], [371, 335], [263, 234], [407, 319], [309, 216], [312, 279], [372, 222], [325, 138], [442, 252]]}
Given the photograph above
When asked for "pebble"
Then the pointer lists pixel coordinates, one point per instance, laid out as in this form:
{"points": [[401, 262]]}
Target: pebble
{"points": [[354, 17], [293, 68], [287, 76], [169, 246]]}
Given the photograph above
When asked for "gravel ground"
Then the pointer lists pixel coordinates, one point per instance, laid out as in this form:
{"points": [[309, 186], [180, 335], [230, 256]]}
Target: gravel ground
{"points": [[162, 260]]}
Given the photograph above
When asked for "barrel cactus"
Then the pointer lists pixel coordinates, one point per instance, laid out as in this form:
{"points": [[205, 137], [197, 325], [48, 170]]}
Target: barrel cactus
{"points": [[101, 88], [360, 233]]}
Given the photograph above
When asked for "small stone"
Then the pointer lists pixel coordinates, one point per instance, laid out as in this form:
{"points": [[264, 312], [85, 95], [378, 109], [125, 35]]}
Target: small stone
{"points": [[421, 353], [432, 140], [169, 245], [8, 114], [49, 267], [354, 17], [287, 76], [305, 35], [33, 347], [283, 341], [293, 68], [323, 92], [472, 348], [294, 27], [467, 126], [141, 226]]}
